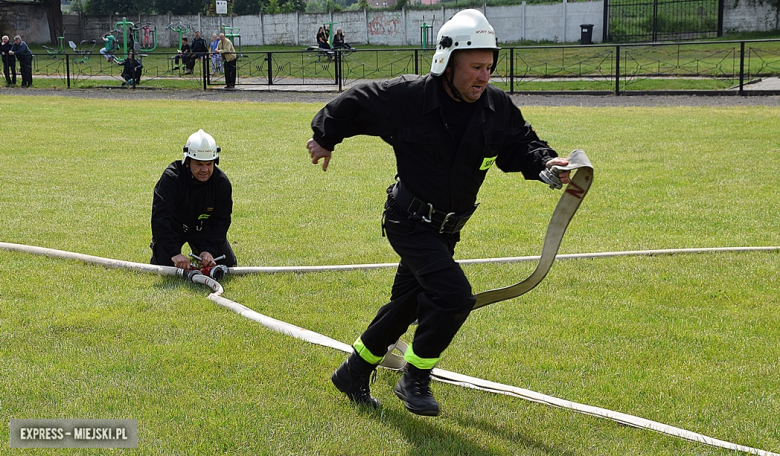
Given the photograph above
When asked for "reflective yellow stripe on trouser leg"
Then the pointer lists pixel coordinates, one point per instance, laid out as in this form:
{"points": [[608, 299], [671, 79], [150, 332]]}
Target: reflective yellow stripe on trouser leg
{"points": [[365, 353], [416, 361]]}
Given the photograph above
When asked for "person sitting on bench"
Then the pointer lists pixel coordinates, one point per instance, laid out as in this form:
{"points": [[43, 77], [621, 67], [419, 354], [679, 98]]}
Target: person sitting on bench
{"points": [[199, 49], [322, 39], [184, 53]]}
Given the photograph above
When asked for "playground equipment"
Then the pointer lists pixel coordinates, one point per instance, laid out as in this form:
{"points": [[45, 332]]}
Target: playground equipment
{"points": [[83, 52], [330, 32], [146, 37], [179, 28], [320, 53], [232, 33], [426, 35], [126, 41], [55, 52], [330, 54]]}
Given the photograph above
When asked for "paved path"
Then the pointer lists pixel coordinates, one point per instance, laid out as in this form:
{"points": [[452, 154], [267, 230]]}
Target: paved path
{"points": [[764, 84], [772, 83]]}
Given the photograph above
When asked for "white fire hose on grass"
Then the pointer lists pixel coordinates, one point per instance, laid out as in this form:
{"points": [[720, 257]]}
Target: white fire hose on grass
{"points": [[438, 374], [567, 206]]}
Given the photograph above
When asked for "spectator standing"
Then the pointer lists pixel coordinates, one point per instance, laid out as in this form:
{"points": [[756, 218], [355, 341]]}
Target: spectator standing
{"points": [[216, 59], [24, 55], [9, 61], [147, 36], [228, 52]]}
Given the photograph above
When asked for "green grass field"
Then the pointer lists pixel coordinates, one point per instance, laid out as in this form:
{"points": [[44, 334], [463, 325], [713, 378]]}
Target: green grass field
{"points": [[686, 340]]}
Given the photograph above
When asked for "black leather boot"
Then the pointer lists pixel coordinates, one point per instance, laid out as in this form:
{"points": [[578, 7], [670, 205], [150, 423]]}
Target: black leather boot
{"points": [[352, 378], [414, 390]]}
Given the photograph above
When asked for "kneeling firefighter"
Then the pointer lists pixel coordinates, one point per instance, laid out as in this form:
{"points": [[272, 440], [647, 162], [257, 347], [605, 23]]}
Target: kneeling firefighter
{"points": [[193, 203]]}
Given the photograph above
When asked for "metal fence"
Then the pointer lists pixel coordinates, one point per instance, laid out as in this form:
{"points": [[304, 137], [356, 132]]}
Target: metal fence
{"points": [[719, 67], [662, 20]]}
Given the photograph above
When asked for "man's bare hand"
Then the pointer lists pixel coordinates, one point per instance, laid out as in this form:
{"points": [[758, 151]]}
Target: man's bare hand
{"points": [[181, 262], [560, 161], [316, 152], [207, 259]]}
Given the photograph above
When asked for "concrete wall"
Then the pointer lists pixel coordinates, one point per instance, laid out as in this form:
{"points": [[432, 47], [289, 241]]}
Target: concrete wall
{"points": [[280, 28], [96, 26], [549, 22], [749, 18], [25, 19], [553, 22], [559, 22]]}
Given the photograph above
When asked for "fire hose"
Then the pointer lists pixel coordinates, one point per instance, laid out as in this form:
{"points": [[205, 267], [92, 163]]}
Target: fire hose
{"points": [[438, 374], [564, 211], [567, 206]]}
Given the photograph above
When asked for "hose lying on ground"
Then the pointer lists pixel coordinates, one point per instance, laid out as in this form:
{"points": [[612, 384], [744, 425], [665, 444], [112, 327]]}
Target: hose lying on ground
{"points": [[564, 211], [438, 374]]}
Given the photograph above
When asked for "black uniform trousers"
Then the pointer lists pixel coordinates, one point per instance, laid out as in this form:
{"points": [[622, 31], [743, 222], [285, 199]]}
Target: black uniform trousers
{"points": [[429, 286], [9, 69], [25, 68], [161, 258], [230, 72]]}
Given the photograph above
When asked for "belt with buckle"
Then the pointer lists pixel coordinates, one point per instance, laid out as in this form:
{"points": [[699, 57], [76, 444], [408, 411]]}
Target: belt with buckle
{"points": [[444, 222]]}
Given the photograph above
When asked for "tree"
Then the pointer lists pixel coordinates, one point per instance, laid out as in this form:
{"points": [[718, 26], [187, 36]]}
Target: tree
{"points": [[118, 7], [54, 18], [77, 6], [273, 7], [247, 7], [182, 7], [290, 6]]}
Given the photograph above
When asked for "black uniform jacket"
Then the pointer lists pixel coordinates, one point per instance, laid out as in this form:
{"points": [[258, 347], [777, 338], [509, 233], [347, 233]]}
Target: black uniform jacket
{"points": [[199, 45], [406, 112], [184, 209], [130, 68], [8, 59]]}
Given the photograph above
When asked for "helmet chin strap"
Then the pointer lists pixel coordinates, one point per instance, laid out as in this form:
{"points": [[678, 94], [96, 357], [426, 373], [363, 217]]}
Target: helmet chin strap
{"points": [[453, 90]]}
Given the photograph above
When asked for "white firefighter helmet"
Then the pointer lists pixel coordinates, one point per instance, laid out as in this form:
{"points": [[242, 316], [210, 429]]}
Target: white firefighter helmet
{"points": [[202, 147], [468, 29]]}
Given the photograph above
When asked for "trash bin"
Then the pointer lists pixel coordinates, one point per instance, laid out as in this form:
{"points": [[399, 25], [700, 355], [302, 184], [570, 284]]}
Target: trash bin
{"points": [[586, 35]]}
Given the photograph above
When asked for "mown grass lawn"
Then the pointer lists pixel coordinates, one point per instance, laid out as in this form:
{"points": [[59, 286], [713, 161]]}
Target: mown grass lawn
{"points": [[687, 340]]}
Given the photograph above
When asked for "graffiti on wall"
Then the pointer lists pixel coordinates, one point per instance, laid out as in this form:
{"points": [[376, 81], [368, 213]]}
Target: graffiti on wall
{"points": [[385, 24]]}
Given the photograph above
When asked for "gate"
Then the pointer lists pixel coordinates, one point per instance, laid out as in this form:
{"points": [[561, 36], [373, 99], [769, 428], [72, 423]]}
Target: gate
{"points": [[662, 20]]}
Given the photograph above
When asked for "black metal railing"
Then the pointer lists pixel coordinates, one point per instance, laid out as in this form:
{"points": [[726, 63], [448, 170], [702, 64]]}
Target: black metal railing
{"points": [[662, 20], [714, 67], [708, 67]]}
